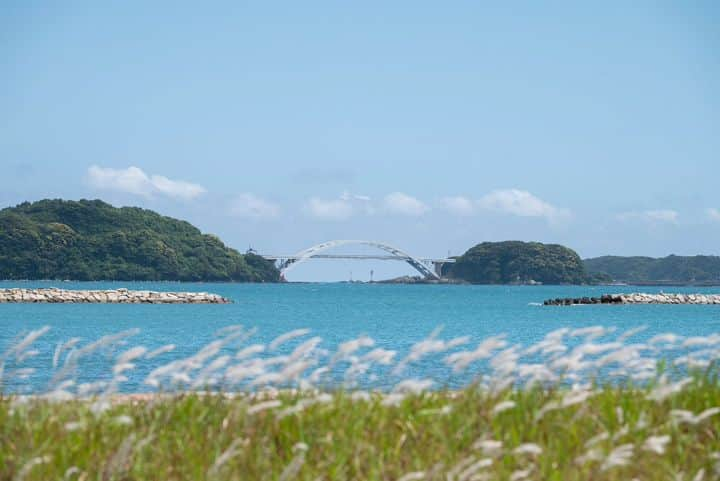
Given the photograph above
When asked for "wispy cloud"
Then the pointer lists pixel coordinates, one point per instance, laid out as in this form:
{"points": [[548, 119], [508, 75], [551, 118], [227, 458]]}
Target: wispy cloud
{"points": [[521, 203], [347, 196], [342, 208], [176, 188], [458, 205], [332, 209], [713, 214], [133, 180], [403, 204], [250, 206], [656, 216]]}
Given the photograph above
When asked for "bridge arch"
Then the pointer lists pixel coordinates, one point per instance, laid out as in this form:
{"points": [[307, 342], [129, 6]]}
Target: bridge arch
{"points": [[308, 253]]}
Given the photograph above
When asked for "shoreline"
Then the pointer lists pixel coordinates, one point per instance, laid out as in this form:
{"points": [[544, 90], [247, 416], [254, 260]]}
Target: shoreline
{"points": [[399, 281]]}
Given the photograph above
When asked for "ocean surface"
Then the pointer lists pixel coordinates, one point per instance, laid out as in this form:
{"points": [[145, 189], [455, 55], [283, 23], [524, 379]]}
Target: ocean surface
{"points": [[395, 316]]}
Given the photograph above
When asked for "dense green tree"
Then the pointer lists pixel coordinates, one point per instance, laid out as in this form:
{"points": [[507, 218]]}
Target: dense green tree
{"points": [[518, 262], [680, 269], [92, 240]]}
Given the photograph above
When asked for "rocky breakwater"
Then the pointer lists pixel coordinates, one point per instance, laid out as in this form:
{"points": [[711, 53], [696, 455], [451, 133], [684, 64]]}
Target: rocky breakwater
{"points": [[637, 298], [111, 296]]}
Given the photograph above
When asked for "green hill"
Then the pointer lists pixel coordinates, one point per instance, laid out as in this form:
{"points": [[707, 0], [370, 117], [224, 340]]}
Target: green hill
{"points": [[92, 240], [518, 262], [679, 269]]}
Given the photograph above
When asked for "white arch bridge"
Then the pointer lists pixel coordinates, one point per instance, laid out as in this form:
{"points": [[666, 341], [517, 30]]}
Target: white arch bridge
{"points": [[429, 268]]}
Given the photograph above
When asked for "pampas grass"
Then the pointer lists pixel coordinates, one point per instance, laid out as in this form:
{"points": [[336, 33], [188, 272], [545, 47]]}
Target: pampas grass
{"points": [[573, 406]]}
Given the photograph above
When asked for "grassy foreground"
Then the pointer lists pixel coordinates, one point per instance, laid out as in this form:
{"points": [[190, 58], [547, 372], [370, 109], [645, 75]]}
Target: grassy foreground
{"points": [[620, 433]]}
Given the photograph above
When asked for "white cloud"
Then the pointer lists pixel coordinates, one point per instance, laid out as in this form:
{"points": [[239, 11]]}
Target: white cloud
{"points": [[713, 214], [359, 203], [176, 188], [131, 180], [403, 204], [134, 181], [347, 196], [458, 205], [334, 209], [344, 207], [662, 215], [250, 206], [521, 203], [659, 215]]}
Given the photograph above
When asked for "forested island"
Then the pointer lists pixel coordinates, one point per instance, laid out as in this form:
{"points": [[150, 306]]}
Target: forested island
{"points": [[92, 240], [665, 270], [516, 262]]}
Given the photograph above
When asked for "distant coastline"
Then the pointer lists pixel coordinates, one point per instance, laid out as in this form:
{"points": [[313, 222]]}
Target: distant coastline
{"points": [[394, 280], [700, 270], [90, 240]]}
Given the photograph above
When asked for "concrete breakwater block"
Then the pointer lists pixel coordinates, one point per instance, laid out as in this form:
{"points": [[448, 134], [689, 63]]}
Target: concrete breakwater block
{"points": [[637, 298], [110, 296]]}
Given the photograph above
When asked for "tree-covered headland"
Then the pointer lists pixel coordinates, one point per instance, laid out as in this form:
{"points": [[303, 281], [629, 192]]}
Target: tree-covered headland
{"points": [[92, 240], [518, 262]]}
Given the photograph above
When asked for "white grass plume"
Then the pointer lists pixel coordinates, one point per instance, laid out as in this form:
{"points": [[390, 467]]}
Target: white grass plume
{"points": [[459, 467], [62, 346], [468, 472], [131, 354], [665, 390], [250, 351], [488, 446], [501, 407], [412, 476], [687, 417], [283, 338], [656, 444], [106, 341], [630, 333], [304, 349], [18, 349], [349, 347], [264, 406], [528, 448], [521, 474], [620, 456], [461, 360], [413, 386], [227, 330], [293, 468], [380, 356], [160, 350], [222, 459], [590, 333]]}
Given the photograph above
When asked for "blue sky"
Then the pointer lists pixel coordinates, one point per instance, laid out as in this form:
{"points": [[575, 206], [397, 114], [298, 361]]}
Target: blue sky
{"points": [[429, 125]]}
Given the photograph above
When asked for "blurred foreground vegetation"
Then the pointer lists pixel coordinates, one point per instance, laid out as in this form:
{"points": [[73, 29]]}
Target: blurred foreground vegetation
{"points": [[612, 433]]}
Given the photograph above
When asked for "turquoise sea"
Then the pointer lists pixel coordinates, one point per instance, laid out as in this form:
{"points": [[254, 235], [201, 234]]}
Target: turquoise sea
{"points": [[395, 316]]}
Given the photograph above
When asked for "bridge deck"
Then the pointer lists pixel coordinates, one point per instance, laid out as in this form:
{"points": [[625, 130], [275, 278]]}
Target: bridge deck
{"points": [[355, 257], [429, 268]]}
